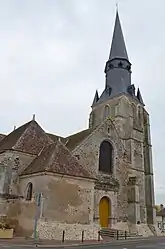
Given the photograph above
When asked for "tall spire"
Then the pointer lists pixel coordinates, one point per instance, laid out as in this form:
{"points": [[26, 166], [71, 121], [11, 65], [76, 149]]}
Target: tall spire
{"points": [[118, 67], [118, 48]]}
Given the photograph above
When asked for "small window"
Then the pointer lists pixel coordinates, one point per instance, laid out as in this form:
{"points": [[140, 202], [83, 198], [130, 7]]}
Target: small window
{"points": [[106, 112], [29, 191], [139, 112], [120, 64], [134, 111]]}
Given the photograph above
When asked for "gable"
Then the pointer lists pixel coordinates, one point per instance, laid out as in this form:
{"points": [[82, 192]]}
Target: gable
{"points": [[74, 140], [106, 130], [28, 138], [88, 150]]}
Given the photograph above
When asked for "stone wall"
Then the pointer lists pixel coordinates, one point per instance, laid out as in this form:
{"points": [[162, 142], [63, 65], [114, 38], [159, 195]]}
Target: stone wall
{"points": [[132, 125], [54, 230], [11, 164], [66, 200], [97, 114], [11, 208], [88, 152]]}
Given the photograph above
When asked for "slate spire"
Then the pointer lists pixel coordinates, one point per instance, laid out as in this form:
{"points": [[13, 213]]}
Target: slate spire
{"points": [[139, 96], [118, 48], [96, 98], [118, 67]]}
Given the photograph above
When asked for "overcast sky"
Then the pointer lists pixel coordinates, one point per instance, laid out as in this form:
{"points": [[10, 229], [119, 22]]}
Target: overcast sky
{"points": [[52, 58]]}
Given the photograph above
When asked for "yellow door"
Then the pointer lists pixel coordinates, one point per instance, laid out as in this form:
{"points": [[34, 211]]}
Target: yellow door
{"points": [[104, 211]]}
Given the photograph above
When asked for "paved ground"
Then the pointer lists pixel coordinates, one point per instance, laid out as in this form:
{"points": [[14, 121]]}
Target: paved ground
{"points": [[150, 243]]}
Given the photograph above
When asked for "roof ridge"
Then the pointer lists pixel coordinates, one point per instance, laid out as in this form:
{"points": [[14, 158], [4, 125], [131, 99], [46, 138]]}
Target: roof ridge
{"points": [[27, 126], [64, 162], [51, 147], [97, 128], [14, 131]]}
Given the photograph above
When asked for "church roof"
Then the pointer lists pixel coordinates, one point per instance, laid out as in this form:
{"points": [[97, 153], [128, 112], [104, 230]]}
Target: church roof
{"points": [[28, 138], [118, 47], [75, 139], [56, 137], [31, 138], [56, 158]]}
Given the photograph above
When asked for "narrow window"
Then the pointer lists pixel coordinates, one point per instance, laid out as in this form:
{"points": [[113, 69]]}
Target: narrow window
{"points": [[29, 191], [106, 112], [105, 158]]}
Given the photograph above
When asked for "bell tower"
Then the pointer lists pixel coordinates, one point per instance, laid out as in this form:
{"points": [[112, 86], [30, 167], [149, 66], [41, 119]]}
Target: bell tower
{"points": [[117, 76], [120, 102]]}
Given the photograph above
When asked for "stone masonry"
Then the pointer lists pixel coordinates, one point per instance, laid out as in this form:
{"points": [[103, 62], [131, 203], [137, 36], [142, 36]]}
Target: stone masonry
{"points": [[111, 160]]}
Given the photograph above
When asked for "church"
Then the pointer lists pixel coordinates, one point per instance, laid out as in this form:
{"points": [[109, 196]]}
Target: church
{"points": [[99, 178]]}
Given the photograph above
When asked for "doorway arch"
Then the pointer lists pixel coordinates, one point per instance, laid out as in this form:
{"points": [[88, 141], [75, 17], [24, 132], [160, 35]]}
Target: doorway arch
{"points": [[104, 211]]}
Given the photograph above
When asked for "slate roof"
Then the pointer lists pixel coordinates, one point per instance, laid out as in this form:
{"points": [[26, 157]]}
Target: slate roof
{"points": [[118, 47], [56, 158], [75, 139], [28, 138]]}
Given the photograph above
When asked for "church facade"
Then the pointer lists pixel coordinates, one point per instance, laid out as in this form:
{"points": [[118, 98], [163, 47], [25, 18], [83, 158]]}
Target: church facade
{"points": [[101, 177]]}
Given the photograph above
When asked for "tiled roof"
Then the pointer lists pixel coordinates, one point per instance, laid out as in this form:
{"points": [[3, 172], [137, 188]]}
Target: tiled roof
{"points": [[56, 137], [75, 139], [29, 138], [56, 158]]}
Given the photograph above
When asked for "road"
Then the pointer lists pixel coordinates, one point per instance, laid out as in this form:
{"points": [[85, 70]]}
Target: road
{"points": [[150, 243]]}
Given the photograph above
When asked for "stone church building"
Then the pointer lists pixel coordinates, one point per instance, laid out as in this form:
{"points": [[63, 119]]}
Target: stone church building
{"points": [[101, 177]]}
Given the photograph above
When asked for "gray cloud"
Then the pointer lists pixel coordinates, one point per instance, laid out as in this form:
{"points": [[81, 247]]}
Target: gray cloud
{"points": [[52, 58]]}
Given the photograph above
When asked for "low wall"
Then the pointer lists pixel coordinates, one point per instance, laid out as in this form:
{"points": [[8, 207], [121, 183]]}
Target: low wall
{"points": [[54, 230]]}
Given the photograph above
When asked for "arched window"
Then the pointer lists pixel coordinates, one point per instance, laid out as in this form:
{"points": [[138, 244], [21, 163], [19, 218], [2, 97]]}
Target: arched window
{"points": [[29, 191], [105, 158], [106, 112]]}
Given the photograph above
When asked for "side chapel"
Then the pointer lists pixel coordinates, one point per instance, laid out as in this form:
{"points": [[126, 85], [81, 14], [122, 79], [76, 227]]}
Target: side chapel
{"points": [[101, 177]]}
